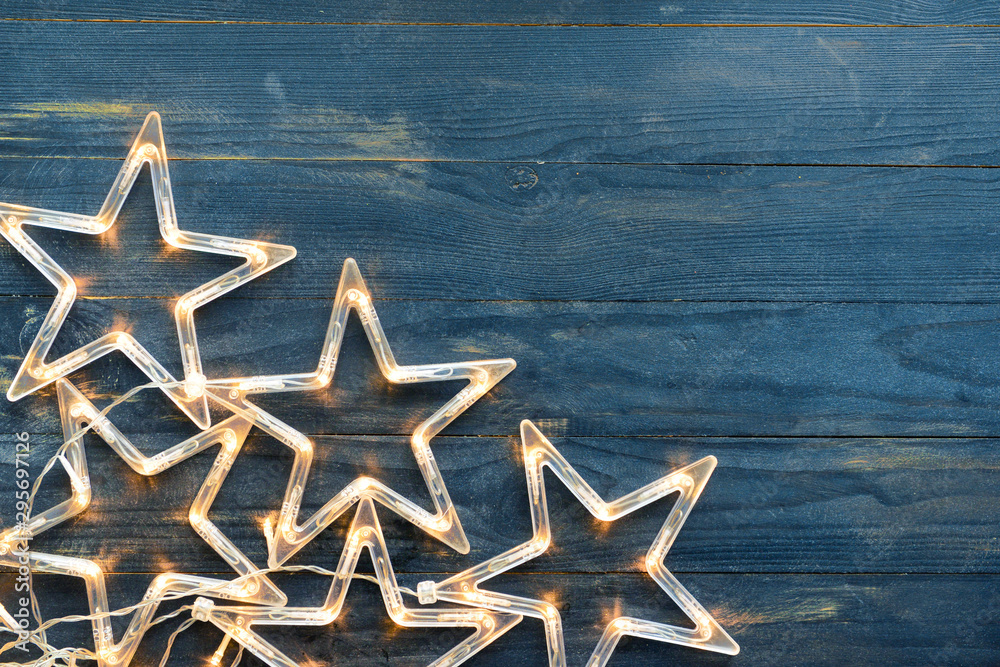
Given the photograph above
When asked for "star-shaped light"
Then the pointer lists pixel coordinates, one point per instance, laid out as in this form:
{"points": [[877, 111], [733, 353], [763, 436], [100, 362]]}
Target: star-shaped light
{"points": [[76, 412], [289, 537], [539, 453], [35, 372], [365, 533]]}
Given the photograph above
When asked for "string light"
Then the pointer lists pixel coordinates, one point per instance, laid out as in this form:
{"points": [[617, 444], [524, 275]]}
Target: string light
{"points": [[539, 453], [35, 372], [365, 533], [76, 412], [287, 537]]}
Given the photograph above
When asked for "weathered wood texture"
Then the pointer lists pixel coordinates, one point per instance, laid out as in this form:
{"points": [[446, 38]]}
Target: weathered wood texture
{"points": [[598, 369], [774, 505], [772, 244], [540, 232], [526, 12], [826, 620], [688, 95]]}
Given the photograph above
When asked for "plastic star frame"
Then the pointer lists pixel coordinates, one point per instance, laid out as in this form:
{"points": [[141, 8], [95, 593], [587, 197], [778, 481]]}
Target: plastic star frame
{"points": [[365, 533], [35, 372], [539, 453], [76, 412], [289, 537]]}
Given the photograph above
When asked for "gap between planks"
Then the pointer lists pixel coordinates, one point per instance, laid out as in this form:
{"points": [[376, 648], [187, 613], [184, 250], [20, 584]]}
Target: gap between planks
{"points": [[581, 163], [792, 302], [485, 24], [641, 436]]}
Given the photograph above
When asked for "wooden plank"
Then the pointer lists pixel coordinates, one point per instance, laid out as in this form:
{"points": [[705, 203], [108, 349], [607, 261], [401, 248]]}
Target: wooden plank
{"points": [[777, 620], [773, 505], [586, 368], [696, 95], [542, 232], [678, 12]]}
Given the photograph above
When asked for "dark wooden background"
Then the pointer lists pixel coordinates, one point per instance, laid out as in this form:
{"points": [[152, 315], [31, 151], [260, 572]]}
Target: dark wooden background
{"points": [[766, 231]]}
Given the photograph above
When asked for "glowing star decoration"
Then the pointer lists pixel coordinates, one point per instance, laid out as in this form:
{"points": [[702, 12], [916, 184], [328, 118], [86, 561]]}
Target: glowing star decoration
{"points": [[365, 533], [76, 411], [539, 453], [35, 372], [288, 537]]}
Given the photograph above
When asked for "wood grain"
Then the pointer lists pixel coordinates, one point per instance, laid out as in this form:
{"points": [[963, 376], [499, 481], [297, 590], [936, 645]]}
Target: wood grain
{"points": [[760, 231], [727, 369], [923, 96], [779, 620], [566, 12], [541, 232], [781, 505]]}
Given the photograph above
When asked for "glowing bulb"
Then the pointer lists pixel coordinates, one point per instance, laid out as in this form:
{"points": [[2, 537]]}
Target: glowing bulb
{"points": [[194, 385]]}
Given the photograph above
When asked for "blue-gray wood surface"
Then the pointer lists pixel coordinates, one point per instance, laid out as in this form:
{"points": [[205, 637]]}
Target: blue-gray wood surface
{"points": [[766, 231]]}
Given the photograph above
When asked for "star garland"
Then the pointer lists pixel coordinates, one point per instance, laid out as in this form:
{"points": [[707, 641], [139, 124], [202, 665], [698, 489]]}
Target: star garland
{"points": [[487, 614]]}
